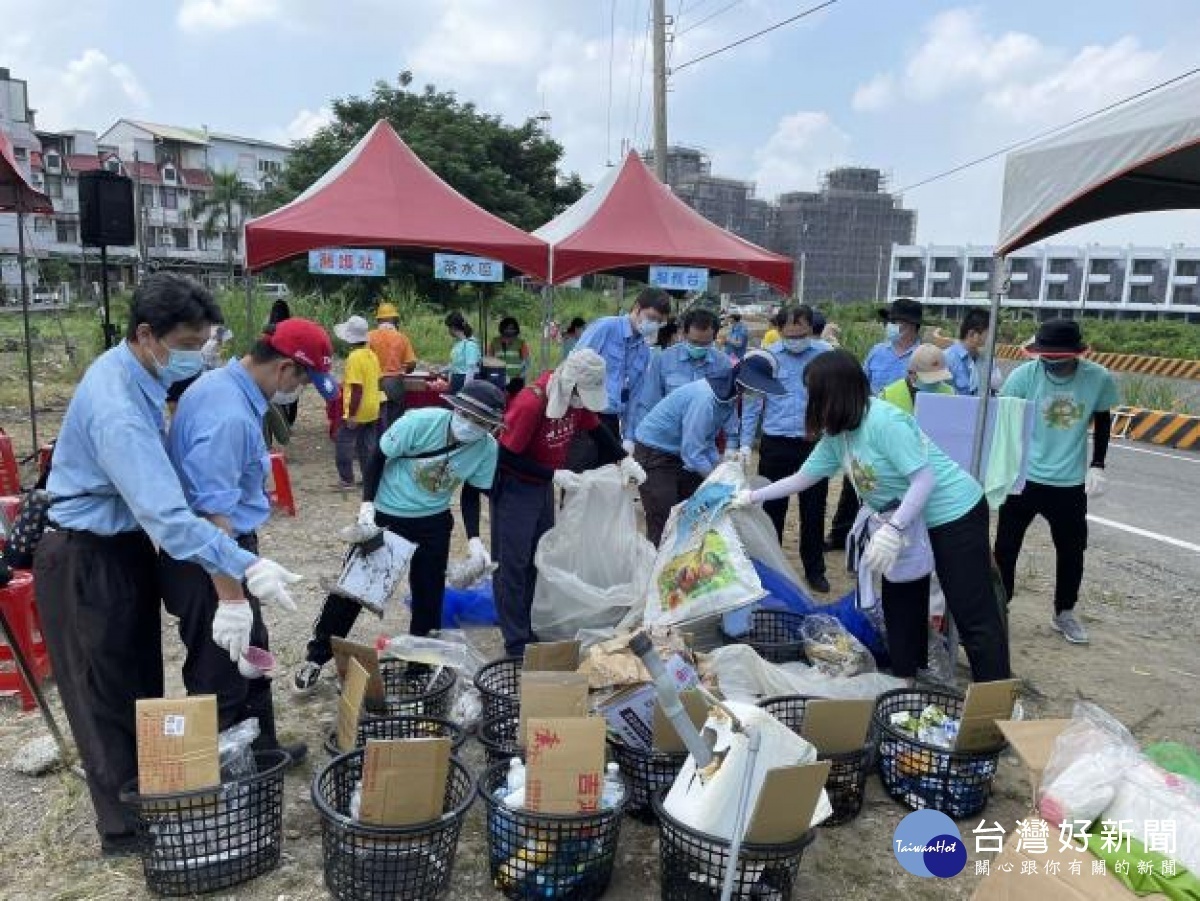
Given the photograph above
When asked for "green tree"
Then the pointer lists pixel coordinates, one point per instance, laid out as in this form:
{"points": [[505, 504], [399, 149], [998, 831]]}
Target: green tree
{"points": [[223, 211]]}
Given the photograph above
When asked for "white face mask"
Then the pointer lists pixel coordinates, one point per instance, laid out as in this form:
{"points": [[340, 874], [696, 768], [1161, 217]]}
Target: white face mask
{"points": [[464, 430], [286, 397]]}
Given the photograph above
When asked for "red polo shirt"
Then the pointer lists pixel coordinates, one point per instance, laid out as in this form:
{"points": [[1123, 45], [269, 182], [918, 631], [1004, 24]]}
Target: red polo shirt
{"points": [[528, 432]]}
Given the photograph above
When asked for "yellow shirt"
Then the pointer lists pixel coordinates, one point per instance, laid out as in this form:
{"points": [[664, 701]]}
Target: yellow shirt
{"points": [[770, 337], [362, 368]]}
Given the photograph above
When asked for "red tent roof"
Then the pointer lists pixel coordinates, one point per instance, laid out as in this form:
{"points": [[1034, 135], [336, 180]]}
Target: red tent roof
{"points": [[83, 162], [630, 219], [380, 194], [15, 191]]}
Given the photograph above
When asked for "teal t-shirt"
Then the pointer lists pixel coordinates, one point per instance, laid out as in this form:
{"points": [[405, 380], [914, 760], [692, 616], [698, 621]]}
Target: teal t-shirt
{"points": [[423, 487], [887, 448], [1063, 412], [465, 356]]}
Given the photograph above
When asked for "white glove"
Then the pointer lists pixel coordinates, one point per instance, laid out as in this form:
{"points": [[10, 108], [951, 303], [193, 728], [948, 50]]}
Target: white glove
{"points": [[366, 514], [883, 549], [631, 471], [627, 446], [564, 479], [231, 627], [478, 554], [268, 581], [742, 499], [1096, 483], [732, 455]]}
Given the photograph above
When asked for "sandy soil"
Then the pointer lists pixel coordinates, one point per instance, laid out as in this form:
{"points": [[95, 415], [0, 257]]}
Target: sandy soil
{"points": [[1136, 666]]}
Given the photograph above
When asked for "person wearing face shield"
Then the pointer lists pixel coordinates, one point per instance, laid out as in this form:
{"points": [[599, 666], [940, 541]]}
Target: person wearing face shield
{"points": [[1069, 395], [115, 498], [785, 443], [677, 441], [927, 371], [425, 456], [624, 342], [217, 447]]}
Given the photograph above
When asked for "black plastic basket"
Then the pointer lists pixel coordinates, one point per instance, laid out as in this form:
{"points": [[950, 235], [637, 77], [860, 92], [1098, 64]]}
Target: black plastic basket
{"points": [[414, 689], [393, 727], [774, 635], [542, 855], [499, 684], [693, 863], [847, 778], [380, 863], [499, 739], [203, 841], [646, 772], [922, 775]]}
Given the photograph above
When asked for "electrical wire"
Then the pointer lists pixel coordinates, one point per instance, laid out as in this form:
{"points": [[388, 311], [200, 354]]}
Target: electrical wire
{"points": [[641, 78], [612, 50], [709, 17], [757, 34], [631, 70], [1047, 133]]}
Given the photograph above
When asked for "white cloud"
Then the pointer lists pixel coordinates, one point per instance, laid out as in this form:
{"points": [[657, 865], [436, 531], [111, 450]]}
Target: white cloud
{"points": [[875, 94], [804, 143], [224, 15], [90, 91], [958, 53], [306, 122]]}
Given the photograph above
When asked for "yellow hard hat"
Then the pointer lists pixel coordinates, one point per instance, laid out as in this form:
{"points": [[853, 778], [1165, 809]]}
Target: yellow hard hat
{"points": [[387, 311]]}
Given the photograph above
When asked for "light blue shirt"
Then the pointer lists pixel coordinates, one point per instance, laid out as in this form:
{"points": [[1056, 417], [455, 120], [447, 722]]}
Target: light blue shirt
{"points": [[784, 414], [216, 445], [465, 357], [738, 340], [884, 366], [112, 448], [686, 423], [1063, 411], [626, 356], [669, 369], [884, 451], [963, 370]]}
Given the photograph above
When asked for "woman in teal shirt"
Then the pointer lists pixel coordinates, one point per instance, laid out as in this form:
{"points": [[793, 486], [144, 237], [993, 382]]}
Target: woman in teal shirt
{"points": [[464, 355], [902, 476]]}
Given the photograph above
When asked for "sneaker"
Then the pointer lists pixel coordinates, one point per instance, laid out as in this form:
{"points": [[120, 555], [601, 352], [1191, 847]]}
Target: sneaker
{"points": [[1072, 630], [304, 682]]}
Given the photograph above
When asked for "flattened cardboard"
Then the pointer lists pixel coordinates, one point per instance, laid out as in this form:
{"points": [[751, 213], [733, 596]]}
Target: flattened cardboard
{"points": [[354, 689], [836, 727], [1007, 882], [786, 803], [344, 650], [552, 657], [177, 744], [1033, 740], [551, 694], [666, 738], [986, 702], [404, 781], [629, 712], [564, 764]]}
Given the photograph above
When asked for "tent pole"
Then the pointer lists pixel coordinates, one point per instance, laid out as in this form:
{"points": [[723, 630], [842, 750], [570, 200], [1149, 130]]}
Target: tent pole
{"points": [[999, 285], [25, 318]]}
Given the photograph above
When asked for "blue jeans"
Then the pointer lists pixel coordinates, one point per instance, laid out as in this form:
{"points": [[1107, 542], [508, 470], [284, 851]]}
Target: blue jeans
{"points": [[522, 512]]}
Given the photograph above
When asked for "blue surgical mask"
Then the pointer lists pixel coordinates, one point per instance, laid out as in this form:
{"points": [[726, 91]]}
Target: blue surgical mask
{"points": [[893, 332], [648, 328], [464, 430], [797, 345], [696, 351], [180, 366]]}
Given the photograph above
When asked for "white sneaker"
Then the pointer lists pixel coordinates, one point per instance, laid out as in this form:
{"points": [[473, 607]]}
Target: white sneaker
{"points": [[305, 680], [1070, 628]]}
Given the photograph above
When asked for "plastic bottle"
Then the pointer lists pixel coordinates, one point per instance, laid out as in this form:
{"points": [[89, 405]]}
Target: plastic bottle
{"points": [[516, 774], [614, 787]]}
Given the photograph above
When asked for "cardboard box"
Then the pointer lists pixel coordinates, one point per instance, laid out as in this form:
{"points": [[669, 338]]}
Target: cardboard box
{"points": [[551, 694], [344, 650], [666, 738], [404, 781], [837, 727], [787, 802], [629, 713], [986, 703], [350, 704], [1033, 741], [177, 744], [564, 768], [552, 657]]}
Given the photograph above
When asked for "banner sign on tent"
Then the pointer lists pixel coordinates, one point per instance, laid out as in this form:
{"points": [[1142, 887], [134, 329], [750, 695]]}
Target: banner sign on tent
{"points": [[347, 261], [457, 267], [679, 278]]}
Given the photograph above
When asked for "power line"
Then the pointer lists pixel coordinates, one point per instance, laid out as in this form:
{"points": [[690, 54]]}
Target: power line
{"points": [[641, 80], [612, 50], [671, 38], [709, 17], [757, 34], [1045, 134]]}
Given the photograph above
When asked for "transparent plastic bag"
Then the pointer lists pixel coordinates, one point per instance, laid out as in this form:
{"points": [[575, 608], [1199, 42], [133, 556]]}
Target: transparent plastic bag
{"points": [[235, 751], [745, 676], [831, 648], [1089, 756], [446, 647]]}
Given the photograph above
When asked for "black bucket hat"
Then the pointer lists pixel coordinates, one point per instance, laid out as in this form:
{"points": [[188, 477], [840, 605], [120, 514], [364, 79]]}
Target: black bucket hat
{"points": [[903, 309], [480, 400], [1057, 338]]}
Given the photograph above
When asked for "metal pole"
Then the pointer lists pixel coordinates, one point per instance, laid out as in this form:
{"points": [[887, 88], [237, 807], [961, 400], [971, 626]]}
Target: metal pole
{"points": [[999, 288], [23, 667], [879, 275], [108, 342], [800, 289], [660, 90], [25, 320], [139, 223], [250, 330]]}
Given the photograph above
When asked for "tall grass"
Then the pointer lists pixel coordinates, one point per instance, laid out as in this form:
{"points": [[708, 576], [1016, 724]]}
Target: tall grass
{"points": [[1156, 394]]}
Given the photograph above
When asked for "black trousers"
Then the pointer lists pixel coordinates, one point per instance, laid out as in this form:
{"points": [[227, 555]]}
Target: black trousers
{"points": [[667, 484], [522, 512], [778, 458], [98, 598], [1065, 509], [188, 594], [963, 563], [845, 514], [426, 580]]}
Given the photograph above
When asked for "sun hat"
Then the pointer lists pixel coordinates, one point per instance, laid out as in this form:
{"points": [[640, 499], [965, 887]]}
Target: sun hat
{"points": [[1057, 338], [758, 371], [903, 309], [353, 330], [480, 400], [928, 364], [583, 371]]}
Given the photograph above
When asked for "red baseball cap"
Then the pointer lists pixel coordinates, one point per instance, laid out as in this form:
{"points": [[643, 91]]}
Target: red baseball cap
{"points": [[308, 344]]}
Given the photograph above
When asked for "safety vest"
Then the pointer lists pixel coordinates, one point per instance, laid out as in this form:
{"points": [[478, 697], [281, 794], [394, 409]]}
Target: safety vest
{"points": [[510, 356], [898, 394]]}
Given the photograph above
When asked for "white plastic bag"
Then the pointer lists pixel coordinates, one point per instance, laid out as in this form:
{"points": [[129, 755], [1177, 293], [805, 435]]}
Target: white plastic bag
{"points": [[593, 565], [832, 649], [745, 676], [1080, 778]]}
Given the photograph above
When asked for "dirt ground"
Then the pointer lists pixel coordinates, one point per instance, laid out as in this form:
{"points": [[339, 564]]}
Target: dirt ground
{"points": [[1140, 666]]}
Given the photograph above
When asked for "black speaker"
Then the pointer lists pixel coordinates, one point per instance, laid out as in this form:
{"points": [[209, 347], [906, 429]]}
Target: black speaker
{"points": [[106, 209]]}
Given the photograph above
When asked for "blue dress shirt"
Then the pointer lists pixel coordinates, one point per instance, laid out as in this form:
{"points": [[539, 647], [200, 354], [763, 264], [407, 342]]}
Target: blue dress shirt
{"points": [[686, 423], [669, 369], [963, 371], [626, 357], [784, 414], [884, 366]]}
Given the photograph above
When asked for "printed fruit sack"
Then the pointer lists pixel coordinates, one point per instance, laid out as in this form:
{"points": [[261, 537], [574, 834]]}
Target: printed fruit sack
{"points": [[702, 568]]}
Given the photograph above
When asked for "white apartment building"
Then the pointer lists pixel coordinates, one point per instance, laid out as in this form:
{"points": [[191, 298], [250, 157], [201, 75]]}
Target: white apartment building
{"points": [[1052, 280]]}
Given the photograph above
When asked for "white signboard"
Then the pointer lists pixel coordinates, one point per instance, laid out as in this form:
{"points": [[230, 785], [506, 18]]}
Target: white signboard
{"points": [[457, 267], [679, 278], [347, 261]]}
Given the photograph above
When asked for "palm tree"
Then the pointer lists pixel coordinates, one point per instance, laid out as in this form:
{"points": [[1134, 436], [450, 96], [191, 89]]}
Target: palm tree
{"points": [[224, 210]]}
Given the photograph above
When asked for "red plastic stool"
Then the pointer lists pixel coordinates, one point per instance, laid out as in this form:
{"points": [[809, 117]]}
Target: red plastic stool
{"points": [[10, 473], [280, 490], [16, 598]]}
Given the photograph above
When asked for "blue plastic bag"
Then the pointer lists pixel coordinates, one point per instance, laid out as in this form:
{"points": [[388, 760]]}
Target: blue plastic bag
{"points": [[474, 606]]}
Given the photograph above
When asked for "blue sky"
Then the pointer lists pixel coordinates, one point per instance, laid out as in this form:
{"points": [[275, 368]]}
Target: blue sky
{"points": [[912, 87]]}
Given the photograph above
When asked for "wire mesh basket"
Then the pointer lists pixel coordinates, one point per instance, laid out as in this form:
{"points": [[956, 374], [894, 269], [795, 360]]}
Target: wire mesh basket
{"points": [[499, 684], [414, 689], [203, 841], [848, 771], [543, 855], [382, 863], [923, 775], [499, 739], [646, 772], [693, 863], [394, 727], [774, 635]]}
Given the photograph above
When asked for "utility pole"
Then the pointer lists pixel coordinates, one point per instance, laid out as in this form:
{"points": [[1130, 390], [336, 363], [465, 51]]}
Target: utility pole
{"points": [[800, 288], [660, 90], [879, 274]]}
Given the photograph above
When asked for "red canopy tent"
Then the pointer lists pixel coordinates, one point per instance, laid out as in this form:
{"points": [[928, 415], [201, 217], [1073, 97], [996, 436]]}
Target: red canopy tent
{"points": [[630, 220], [18, 196], [380, 194]]}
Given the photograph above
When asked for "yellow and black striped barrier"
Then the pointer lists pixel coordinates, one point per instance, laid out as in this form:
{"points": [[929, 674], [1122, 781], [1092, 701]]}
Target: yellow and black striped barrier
{"points": [[1161, 367], [1167, 429]]}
